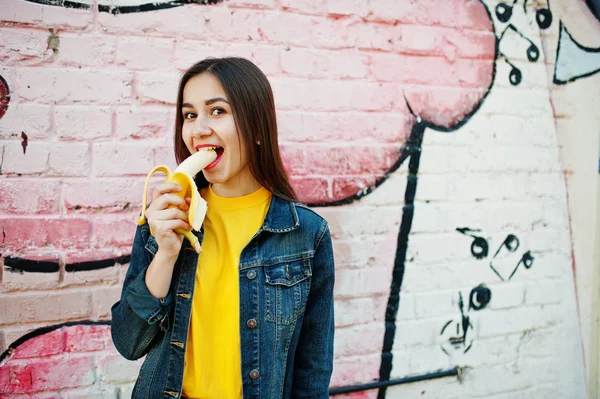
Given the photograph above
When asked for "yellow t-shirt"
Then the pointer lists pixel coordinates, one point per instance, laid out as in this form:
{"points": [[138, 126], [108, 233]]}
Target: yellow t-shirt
{"points": [[213, 354]]}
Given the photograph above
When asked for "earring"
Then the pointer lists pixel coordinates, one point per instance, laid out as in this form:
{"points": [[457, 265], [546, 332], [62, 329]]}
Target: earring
{"points": [[258, 142]]}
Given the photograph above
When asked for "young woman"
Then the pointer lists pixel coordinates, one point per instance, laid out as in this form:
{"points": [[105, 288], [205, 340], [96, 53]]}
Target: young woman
{"points": [[252, 315]]}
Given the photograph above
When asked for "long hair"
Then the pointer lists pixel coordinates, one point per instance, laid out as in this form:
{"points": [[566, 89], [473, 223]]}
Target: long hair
{"points": [[253, 108]]}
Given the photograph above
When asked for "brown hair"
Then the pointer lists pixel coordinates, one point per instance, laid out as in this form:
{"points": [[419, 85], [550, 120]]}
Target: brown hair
{"points": [[253, 108]]}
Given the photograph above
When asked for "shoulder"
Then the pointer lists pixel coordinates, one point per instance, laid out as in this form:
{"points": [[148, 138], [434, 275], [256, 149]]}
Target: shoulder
{"points": [[308, 215], [310, 220]]}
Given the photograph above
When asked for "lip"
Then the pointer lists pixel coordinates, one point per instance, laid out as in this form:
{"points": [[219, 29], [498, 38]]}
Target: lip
{"points": [[215, 162], [219, 154], [205, 145]]}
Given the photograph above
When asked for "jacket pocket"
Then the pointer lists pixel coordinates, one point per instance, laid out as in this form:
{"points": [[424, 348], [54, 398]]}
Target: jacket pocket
{"points": [[287, 286]]}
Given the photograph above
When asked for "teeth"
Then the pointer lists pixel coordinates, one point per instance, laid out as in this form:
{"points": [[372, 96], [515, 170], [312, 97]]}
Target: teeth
{"points": [[208, 148]]}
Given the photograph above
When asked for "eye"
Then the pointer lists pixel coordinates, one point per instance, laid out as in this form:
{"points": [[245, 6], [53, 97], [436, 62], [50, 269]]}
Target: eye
{"points": [[188, 115], [217, 111]]}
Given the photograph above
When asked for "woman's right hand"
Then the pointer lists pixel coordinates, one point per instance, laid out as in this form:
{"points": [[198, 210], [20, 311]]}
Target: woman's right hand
{"points": [[164, 220]]}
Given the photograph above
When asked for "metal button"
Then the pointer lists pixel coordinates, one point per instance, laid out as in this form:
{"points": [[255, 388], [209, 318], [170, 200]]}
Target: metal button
{"points": [[254, 374], [251, 275], [251, 323]]}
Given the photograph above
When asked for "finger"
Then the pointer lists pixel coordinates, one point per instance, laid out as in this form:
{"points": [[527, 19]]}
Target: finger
{"points": [[173, 224], [164, 188], [167, 200], [170, 214]]}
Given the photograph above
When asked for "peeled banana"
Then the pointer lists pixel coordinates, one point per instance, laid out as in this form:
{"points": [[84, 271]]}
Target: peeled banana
{"points": [[184, 177]]}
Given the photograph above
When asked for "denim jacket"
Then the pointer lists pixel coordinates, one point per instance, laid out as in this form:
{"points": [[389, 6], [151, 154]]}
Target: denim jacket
{"points": [[286, 278]]}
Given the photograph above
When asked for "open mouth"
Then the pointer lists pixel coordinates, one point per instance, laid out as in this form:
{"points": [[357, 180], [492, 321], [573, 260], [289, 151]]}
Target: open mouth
{"points": [[218, 150]]}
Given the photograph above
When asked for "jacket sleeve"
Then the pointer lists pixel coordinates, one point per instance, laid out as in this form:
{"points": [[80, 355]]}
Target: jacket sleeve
{"points": [[139, 317], [313, 363]]}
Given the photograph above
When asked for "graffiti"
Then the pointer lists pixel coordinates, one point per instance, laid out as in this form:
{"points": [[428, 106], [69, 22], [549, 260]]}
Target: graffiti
{"points": [[499, 264], [4, 96], [109, 7], [455, 333], [574, 61], [53, 371], [24, 141], [504, 13], [19, 265]]}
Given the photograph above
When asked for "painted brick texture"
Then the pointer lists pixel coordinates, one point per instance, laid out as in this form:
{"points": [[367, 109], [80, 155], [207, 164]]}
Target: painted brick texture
{"points": [[369, 95]]}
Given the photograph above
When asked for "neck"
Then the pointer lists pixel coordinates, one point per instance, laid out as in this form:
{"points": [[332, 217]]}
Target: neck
{"points": [[241, 185]]}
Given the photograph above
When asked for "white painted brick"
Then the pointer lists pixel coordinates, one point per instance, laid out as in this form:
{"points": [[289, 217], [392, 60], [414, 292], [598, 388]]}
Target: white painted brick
{"points": [[538, 292], [351, 253], [116, 369], [359, 311], [358, 340], [142, 123], [74, 86], [145, 53], [54, 17], [422, 278], [82, 123], [546, 186], [268, 4], [348, 222], [126, 391], [21, 46], [69, 159], [350, 370], [525, 103], [32, 119], [92, 393], [420, 360], [156, 87], [188, 51], [33, 161], [356, 283], [103, 193], [507, 294], [324, 64], [492, 351], [264, 57], [324, 95], [122, 159], [341, 7], [506, 321], [415, 333], [438, 303], [347, 126], [77, 49]]}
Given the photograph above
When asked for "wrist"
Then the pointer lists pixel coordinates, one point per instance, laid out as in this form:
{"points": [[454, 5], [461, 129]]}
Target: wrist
{"points": [[166, 256]]}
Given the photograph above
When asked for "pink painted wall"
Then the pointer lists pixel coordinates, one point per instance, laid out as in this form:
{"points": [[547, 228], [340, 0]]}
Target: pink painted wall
{"points": [[89, 115]]}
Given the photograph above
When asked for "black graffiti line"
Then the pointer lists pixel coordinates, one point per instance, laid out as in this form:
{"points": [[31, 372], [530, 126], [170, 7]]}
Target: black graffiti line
{"points": [[581, 47], [44, 330], [524, 259], [20, 265], [115, 10], [413, 150]]}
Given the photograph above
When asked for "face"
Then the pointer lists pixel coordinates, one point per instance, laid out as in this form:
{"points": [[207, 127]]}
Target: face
{"points": [[208, 122]]}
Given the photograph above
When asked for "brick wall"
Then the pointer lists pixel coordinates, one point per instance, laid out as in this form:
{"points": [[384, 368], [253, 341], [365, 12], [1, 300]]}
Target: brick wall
{"points": [[372, 96]]}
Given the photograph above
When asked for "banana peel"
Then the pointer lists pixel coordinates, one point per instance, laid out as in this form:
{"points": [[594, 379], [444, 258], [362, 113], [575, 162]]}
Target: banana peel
{"points": [[184, 177]]}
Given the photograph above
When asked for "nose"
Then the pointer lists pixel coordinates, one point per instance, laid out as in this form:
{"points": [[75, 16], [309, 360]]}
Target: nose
{"points": [[201, 127]]}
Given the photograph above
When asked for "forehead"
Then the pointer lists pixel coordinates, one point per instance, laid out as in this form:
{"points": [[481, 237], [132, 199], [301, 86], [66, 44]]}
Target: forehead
{"points": [[203, 87]]}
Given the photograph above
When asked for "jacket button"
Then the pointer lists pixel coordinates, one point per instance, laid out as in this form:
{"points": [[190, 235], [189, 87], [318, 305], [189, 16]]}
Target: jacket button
{"points": [[251, 275], [251, 323], [254, 374]]}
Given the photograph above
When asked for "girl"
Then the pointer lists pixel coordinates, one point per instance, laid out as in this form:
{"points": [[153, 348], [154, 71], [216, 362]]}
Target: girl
{"points": [[252, 315]]}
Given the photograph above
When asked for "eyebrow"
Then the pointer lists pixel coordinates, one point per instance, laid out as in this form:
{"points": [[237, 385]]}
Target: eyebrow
{"points": [[207, 102]]}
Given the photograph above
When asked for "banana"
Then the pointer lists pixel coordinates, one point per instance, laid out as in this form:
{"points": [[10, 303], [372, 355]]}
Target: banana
{"points": [[184, 177]]}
